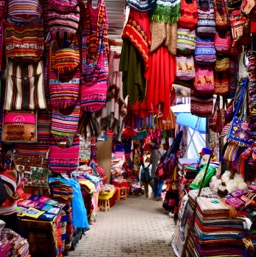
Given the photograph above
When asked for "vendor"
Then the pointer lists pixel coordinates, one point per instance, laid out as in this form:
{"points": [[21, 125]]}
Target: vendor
{"points": [[11, 186]]}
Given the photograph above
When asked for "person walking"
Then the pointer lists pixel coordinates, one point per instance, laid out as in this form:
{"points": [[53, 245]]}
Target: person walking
{"points": [[156, 154], [147, 184]]}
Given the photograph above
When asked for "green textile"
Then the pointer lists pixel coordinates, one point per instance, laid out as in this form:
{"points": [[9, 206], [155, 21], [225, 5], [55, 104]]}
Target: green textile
{"points": [[167, 14], [132, 67]]}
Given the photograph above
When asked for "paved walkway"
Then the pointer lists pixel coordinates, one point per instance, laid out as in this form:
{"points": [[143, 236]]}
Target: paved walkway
{"points": [[136, 227]]}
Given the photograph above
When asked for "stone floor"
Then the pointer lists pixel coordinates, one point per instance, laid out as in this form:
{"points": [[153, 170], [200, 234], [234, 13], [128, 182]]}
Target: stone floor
{"points": [[134, 227]]}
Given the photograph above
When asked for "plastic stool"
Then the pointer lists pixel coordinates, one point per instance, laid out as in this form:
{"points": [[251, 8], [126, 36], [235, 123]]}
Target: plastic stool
{"points": [[118, 193], [104, 205], [123, 192]]}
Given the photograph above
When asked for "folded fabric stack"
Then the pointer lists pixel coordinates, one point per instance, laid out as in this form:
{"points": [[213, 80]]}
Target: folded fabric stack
{"points": [[62, 191], [12, 244], [219, 230]]}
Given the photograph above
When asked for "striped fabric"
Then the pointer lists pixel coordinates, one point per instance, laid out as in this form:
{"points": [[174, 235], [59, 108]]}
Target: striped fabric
{"points": [[66, 60], [206, 22], [186, 40], [63, 6], [63, 23], [94, 58], [25, 10], [141, 5], [24, 44], [31, 150], [24, 87], [63, 126], [63, 94], [64, 160], [201, 107], [43, 126]]}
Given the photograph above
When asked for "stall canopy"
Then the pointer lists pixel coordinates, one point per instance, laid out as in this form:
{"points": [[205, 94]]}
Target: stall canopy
{"points": [[185, 118]]}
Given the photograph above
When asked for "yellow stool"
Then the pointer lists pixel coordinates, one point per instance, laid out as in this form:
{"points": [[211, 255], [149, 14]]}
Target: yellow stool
{"points": [[104, 205]]}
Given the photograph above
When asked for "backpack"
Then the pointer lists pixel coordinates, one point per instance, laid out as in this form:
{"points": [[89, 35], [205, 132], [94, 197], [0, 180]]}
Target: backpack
{"points": [[145, 174]]}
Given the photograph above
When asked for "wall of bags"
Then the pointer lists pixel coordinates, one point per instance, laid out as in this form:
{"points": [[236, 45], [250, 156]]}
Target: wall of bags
{"points": [[54, 69]]}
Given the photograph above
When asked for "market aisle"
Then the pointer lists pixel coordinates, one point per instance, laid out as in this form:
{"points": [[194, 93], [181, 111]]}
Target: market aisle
{"points": [[134, 227]]}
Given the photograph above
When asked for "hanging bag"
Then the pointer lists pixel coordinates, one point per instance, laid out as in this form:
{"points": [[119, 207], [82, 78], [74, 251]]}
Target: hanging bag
{"points": [[24, 44], [94, 79], [185, 67], [217, 120], [205, 52], [222, 44], [204, 80], [65, 61], [240, 132], [221, 15], [19, 127], [206, 26], [189, 14], [24, 11], [64, 123], [201, 107], [24, 87], [186, 40], [221, 83], [63, 159], [63, 19]]}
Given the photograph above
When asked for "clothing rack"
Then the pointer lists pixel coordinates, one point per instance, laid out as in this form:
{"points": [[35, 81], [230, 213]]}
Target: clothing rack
{"points": [[113, 42]]}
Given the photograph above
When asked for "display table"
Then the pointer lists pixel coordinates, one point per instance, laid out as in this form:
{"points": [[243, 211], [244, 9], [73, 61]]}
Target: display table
{"points": [[44, 237]]}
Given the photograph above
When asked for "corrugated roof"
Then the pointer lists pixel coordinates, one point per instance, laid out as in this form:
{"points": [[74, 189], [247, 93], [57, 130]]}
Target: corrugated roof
{"points": [[116, 17]]}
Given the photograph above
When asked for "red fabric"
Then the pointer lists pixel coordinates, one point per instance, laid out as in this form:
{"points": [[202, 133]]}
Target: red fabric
{"points": [[161, 75]]}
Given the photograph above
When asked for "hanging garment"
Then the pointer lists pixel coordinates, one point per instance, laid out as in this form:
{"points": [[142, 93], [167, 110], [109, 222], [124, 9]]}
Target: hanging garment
{"points": [[132, 66], [137, 30], [95, 50], [161, 77], [111, 115]]}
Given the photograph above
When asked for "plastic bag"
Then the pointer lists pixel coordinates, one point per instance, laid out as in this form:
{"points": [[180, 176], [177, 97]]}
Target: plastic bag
{"points": [[196, 183]]}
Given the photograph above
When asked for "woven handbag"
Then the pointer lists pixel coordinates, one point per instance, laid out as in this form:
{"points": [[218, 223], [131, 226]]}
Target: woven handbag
{"points": [[206, 26], [64, 94], [185, 67], [24, 44], [240, 132], [19, 127], [221, 83], [205, 52], [222, 63], [221, 15], [189, 14], [24, 87], [204, 80], [222, 44], [25, 10], [64, 159], [201, 107], [186, 40], [65, 61], [65, 125], [63, 20]]}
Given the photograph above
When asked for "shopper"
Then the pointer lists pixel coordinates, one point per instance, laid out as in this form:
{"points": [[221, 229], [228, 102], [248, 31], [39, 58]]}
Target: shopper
{"points": [[156, 154], [11, 184], [146, 164]]}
